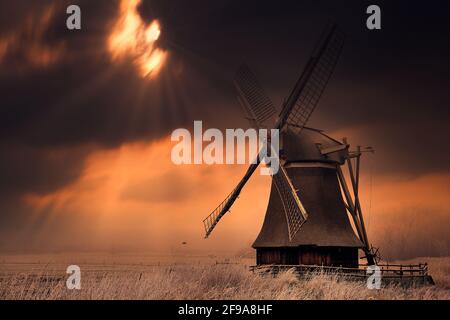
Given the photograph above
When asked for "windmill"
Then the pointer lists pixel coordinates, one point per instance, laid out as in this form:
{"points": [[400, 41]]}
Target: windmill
{"points": [[306, 220]]}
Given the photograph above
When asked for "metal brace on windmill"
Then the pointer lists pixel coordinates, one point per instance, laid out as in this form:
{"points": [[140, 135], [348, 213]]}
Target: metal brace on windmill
{"points": [[306, 222]]}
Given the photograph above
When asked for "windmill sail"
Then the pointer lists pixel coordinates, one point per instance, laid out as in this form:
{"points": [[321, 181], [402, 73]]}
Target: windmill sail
{"points": [[295, 213], [253, 98], [214, 217], [311, 84], [260, 109]]}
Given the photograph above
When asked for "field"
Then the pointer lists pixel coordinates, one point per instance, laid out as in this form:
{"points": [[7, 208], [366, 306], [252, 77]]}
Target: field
{"points": [[107, 276]]}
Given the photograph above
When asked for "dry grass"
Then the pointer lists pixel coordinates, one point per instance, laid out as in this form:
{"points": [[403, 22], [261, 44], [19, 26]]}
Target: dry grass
{"points": [[196, 279]]}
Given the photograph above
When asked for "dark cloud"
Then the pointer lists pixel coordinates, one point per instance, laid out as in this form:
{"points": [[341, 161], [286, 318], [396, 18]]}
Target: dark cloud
{"points": [[39, 170], [391, 83], [85, 99]]}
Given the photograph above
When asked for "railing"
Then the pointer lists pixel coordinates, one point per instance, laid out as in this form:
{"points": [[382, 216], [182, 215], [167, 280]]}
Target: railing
{"points": [[388, 271], [420, 269]]}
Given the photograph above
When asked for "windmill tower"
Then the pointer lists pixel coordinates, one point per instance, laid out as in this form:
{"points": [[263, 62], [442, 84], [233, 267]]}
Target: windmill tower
{"points": [[306, 220]]}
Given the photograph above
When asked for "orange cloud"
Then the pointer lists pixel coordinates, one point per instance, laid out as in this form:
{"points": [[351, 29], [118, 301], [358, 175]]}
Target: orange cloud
{"points": [[133, 195], [408, 217]]}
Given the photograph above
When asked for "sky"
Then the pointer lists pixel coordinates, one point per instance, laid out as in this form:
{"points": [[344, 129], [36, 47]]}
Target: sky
{"points": [[85, 128]]}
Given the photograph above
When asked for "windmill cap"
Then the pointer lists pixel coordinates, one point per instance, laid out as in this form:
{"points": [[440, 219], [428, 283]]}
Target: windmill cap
{"points": [[312, 145]]}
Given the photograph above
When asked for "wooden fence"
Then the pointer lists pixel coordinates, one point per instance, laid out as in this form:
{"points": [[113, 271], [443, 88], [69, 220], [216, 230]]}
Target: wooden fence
{"points": [[405, 274]]}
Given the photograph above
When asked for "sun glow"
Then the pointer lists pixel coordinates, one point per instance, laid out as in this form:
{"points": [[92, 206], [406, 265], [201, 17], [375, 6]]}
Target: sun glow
{"points": [[132, 38]]}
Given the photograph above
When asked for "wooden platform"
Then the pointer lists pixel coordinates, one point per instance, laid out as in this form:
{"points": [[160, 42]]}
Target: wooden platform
{"points": [[390, 273]]}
